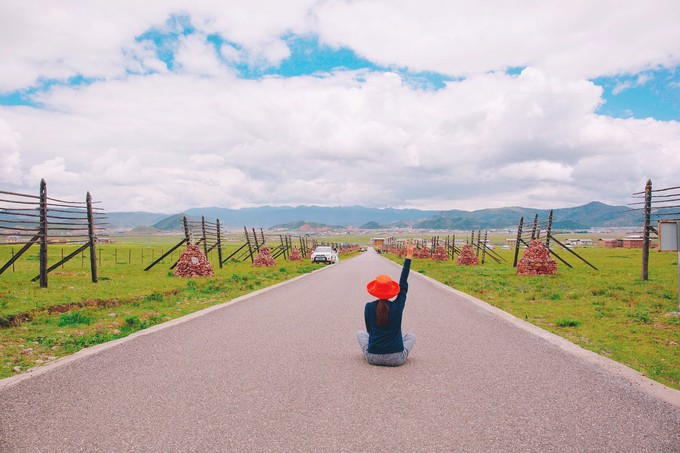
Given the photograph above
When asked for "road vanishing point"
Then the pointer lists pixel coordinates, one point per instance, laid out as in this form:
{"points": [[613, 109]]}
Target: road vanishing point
{"points": [[280, 370]]}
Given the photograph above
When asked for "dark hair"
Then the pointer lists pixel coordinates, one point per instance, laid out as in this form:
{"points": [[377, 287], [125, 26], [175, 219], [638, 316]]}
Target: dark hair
{"points": [[382, 313]]}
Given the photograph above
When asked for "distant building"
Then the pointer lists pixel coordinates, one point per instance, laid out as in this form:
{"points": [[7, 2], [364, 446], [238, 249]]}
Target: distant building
{"points": [[579, 241], [377, 242], [608, 243], [631, 242]]}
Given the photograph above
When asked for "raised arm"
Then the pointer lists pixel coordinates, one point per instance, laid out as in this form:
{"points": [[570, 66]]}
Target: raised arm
{"points": [[403, 280]]}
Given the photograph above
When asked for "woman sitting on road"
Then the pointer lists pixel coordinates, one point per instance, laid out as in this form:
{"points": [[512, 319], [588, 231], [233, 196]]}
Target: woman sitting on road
{"points": [[382, 342]]}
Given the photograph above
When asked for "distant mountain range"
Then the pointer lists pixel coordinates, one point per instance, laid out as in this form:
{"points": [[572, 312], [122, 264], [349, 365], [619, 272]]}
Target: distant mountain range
{"points": [[593, 214]]}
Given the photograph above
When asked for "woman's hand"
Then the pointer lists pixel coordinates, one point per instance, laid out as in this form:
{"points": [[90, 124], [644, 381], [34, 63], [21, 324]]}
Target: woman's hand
{"points": [[409, 250]]}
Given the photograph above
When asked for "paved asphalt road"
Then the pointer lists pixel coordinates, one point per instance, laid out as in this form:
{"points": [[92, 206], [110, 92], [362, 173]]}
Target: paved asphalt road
{"points": [[282, 372]]}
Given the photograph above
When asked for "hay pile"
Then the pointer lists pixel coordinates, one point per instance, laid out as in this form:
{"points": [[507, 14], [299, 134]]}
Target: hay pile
{"points": [[295, 255], [536, 261], [193, 263], [264, 258], [467, 256], [422, 253], [440, 254]]}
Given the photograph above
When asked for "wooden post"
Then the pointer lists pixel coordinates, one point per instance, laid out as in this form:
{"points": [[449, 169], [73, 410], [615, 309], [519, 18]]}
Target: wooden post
{"points": [[645, 232], [43, 234], [472, 238], [549, 231], [203, 237], [262, 235], [479, 240], [250, 249], [219, 243], [519, 238], [23, 250], [92, 239], [533, 228], [486, 235], [257, 246], [187, 236]]}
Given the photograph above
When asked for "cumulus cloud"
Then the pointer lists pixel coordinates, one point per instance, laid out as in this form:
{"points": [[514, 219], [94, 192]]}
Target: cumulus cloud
{"points": [[166, 142], [143, 136], [61, 39], [540, 170], [459, 37], [53, 170], [196, 56], [10, 171]]}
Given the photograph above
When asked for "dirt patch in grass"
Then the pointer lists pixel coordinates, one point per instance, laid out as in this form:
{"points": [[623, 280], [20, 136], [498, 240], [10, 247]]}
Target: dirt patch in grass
{"points": [[15, 320], [8, 321], [60, 308]]}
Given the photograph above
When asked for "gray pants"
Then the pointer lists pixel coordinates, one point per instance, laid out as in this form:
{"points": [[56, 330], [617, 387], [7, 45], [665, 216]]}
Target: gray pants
{"points": [[395, 359]]}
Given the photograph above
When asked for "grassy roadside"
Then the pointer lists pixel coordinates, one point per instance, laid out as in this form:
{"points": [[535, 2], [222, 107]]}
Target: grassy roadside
{"points": [[611, 312], [74, 313]]}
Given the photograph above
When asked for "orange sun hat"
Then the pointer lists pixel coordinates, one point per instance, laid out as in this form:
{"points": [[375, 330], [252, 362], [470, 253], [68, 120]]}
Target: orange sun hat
{"points": [[383, 287]]}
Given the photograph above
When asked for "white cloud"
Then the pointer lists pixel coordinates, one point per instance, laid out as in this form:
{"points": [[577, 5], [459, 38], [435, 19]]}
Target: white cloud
{"points": [[167, 142], [53, 170], [537, 170], [59, 39], [10, 170], [196, 56], [569, 39], [201, 136]]}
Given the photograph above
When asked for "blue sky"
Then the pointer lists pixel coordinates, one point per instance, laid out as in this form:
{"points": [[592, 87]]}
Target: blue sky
{"points": [[650, 94]]}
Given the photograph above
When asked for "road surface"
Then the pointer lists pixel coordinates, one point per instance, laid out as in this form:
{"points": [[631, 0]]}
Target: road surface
{"points": [[282, 371]]}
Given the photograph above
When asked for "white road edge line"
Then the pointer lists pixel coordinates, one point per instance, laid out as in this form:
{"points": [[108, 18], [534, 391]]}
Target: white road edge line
{"points": [[92, 350], [640, 381]]}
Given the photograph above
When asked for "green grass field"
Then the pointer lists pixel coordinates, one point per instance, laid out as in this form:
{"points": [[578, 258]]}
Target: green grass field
{"points": [[610, 311], [40, 325]]}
